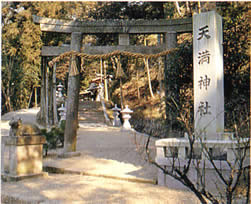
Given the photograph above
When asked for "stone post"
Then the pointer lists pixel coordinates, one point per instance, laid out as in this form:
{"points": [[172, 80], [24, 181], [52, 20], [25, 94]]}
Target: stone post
{"points": [[208, 75], [25, 157], [71, 125], [3, 152], [171, 39], [124, 39]]}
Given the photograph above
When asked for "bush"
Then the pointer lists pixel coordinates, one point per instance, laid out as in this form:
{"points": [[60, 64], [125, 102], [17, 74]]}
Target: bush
{"points": [[54, 137]]}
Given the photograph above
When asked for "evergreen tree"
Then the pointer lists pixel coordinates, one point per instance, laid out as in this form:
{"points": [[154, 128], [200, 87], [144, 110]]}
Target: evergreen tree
{"points": [[22, 42]]}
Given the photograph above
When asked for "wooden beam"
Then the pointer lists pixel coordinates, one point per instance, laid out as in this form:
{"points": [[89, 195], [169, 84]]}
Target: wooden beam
{"points": [[95, 50], [71, 123], [114, 26]]}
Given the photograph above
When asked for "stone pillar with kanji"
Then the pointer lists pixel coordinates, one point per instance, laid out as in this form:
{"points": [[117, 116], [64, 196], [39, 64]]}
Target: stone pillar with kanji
{"points": [[208, 75]]}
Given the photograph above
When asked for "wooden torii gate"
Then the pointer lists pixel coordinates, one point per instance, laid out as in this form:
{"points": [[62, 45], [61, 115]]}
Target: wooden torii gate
{"points": [[168, 28]]}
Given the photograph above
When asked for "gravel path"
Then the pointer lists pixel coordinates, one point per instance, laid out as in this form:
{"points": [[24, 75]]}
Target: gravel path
{"points": [[109, 152], [106, 153], [92, 190]]}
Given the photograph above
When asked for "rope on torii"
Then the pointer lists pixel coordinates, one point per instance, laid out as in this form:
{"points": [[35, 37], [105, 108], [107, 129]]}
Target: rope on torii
{"points": [[108, 55]]}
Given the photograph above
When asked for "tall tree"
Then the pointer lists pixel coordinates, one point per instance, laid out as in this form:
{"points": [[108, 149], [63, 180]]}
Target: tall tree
{"points": [[21, 45], [236, 27], [129, 10]]}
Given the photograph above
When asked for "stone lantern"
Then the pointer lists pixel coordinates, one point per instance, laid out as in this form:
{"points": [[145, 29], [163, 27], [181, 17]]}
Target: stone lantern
{"points": [[62, 112], [60, 97], [126, 116], [116, 120]]}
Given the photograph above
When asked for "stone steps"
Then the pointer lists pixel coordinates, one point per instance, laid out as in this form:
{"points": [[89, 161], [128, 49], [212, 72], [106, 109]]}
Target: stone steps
{"points": [[90, 112]]}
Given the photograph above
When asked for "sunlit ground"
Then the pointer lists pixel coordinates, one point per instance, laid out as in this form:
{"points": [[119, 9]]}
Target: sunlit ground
{"points": [[86, 189]]}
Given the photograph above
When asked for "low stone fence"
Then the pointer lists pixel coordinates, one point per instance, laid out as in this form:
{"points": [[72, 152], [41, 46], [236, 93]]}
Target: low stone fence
{"points": [[174, 152]]}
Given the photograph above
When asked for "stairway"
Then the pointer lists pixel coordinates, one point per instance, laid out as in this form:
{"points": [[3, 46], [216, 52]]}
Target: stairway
{"points": [[90, 112]]}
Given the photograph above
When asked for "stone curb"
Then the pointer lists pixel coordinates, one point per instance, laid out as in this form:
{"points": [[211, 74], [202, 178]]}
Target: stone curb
{"points": [[57, 170]]}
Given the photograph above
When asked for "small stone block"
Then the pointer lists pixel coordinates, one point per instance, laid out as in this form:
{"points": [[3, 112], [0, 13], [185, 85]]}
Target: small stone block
{"points": [[69, 154]]}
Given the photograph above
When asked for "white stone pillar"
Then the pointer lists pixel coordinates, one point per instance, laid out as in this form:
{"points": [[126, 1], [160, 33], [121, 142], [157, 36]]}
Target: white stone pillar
{"points": [[208, 74]]}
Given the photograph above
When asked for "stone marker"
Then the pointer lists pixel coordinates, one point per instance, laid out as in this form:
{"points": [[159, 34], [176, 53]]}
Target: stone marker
{"points": [[25, 157], [208, 75]]}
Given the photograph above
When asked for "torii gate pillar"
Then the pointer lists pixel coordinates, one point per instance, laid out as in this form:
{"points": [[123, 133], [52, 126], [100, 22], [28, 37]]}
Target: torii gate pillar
{"points": [[71, 124]]}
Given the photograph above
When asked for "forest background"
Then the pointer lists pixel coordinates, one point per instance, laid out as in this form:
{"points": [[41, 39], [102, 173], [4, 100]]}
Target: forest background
{"points": [[21, 61]]}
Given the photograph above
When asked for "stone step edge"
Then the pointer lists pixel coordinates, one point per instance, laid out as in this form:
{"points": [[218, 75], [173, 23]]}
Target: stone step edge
{"points": [[18, 200], [57, 170]]}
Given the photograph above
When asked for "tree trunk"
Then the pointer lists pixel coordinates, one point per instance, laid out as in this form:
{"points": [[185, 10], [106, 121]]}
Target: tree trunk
{"points": [[28, 105], [121, 94], [199, 7], [160, 78], [105, 81], [229, 197], [137, 78], [36, 96], [170, 42], [146, 61], [7, 99], [46, 94], [178, 7], [6, 89], [101, 70], [55, 116]]}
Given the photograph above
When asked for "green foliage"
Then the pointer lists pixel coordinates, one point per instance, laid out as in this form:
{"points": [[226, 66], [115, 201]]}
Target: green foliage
{"points": [[21, 46], [128, 10], [55, 137], [22, 42], [236, 60], [178, 79]]}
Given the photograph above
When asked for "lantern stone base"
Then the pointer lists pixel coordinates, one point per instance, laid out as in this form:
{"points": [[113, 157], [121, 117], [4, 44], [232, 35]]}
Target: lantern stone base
{"points": [[24, 158]]}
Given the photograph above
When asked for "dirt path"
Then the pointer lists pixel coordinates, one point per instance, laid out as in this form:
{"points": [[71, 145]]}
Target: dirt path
{"points": [[106, 152], [109, 152], [57, 189]]}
